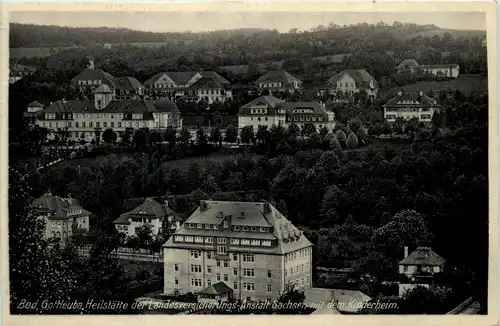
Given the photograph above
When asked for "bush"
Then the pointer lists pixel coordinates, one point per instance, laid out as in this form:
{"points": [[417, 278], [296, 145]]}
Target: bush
{"points": [[352, 141]]}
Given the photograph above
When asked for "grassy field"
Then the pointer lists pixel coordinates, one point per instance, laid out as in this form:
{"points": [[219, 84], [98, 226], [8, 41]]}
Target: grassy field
{"points": [[464, 83]]}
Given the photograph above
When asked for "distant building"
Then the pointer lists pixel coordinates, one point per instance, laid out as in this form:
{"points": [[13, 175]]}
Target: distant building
{"points": [[451, 70], [353, 81], [86, 120], [250, 246], [278, 81], [33, 110], [419, 267], [190, 86], [150, 212], [411, 105], [268, 110], [18, 72], [61, 215]]}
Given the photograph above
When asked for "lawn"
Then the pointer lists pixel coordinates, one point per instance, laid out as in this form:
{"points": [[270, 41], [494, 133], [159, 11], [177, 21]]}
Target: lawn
{"points": [[184, 163]]}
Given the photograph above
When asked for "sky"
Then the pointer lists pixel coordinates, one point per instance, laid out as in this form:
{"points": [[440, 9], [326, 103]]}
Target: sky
{"points": [[208, 21]]}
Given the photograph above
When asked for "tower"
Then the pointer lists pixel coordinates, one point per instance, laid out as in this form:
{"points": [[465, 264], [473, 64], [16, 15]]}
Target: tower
{"points": [[103, 95]]}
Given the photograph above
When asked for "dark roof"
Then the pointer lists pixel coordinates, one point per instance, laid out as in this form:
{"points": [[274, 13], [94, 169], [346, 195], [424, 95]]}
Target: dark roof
{"points": [[150, 208], [408, 63], [251, 214], [178, 77], [96, 74], [342, 298], [266, 100], [128, 83], [118, 106], [59, 207], [411, 99], [314, 106], [217, 288], [438, 66], [213, 74], [209, 83], [277, 76], [360, 76], [35, 104], [423, 256]]}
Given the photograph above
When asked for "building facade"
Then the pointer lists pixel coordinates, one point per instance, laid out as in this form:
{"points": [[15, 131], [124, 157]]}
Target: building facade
{"points": [[278, 81], [352, 81], [18, 72], [61, 215], [250, 246], [451, 70], [268, 110], [411, 105], [150, 212]]}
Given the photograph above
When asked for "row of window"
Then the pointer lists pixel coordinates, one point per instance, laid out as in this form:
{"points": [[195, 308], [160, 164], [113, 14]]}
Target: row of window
{"points": [[122, 228], [226, 225], [407, 109], [306, 252], [247, 272], [346, 85], [297, 269], [421, 117], [306, 118], [130, 124], [89, 82], [250, 258], [300, 282], [247, 286], [233, 241]]}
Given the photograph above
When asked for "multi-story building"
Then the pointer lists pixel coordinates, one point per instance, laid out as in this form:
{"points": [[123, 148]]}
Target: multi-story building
{"points": [[419, 267], [268, 110], [411, 105], [250, 246], [278, 81], [191, 86], [34, 109], [353, 81], [451, 70], [61, 215], [86, 120], [150, 212]]}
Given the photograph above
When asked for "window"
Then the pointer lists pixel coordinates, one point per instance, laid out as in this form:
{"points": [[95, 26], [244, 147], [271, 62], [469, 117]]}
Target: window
{"points": [[218, 276], [221, 250], [405, 269], [307, 280], [53, 224], [198, 239], [69, 124], [236, 228], [249, 286], [235, 271], [235, 257], [195, 269], [207, 226], [250, 258], [176, 281], [112, 124], [209, 269], [194, 254], [209, 255], [226, 263], [255, 242], [210, 240], [226, 224], [119, 124], [235, 241], [104, 124], [248, 272], [76, 124], [221, 240], [245, 242], [266, 243], [179, 238], [226, 277], [196, 282], [209, 282], [98, 124], [268, 273], [245, 228], [176, 267], [217, 261], [235, 285], [199, 226], [269, 288], [262, 229], [91, 124], [253, 228]]}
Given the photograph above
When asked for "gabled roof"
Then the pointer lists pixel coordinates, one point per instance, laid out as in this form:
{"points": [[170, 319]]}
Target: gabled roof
{"points": [[277, 76], [103, 89], [360, 76], [343, 299], [96, 74], [58, 207], [150, 208], [423, 256], [217, 288], [209, 83], [250, 214], [412, 99], [408, 63], [213, 74], [128, 83], [316, 107], [35, 104], [268, 101], [178, 77]]}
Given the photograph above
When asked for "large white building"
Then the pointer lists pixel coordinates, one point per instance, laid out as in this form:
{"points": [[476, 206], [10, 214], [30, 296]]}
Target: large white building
{"points": [[451, 70], [353, 81], [411, 105], [268, 110], [250, 246]]}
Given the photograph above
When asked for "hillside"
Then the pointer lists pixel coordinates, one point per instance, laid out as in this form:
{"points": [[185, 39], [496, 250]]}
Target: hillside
{"points": [[453, 32]]}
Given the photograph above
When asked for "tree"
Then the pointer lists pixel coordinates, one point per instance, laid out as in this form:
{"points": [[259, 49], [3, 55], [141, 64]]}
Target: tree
{"points": [[293, 130], [323, 132], [291, 297], [247, 135], [386, 128], [399, 126], [421, 300], [185, 137], [341, 136], [140, 137], [126, 135], [154, 137], [308, 129], [262, 134], [109, 136], [144, 235], [210, 186], [231, 134], [377, 129], [215, 136], [283, 147], [314, 140], [352, 141], [362, 134], [170, 136], [201, 140], [335, 145], [354, 125], [335, 205]]}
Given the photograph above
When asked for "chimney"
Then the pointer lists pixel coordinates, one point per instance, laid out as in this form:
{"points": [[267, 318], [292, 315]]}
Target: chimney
{"points": [[203, 205], [406, 252], [421, 93], [267, 208]]}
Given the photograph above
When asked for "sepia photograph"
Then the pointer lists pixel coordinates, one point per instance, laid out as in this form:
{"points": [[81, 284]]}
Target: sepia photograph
{"points": [[249, 163]]}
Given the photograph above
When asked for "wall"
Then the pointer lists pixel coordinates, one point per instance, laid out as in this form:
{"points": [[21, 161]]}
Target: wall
{"points": [[412, 112], [298, 266]]}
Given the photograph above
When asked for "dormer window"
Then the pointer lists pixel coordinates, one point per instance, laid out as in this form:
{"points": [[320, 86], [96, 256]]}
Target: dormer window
{"points": [[245, 228], [262, 229], [220, 215], [236, 228], [208, 226], [253, 228], [226, 224], [199, 226]]}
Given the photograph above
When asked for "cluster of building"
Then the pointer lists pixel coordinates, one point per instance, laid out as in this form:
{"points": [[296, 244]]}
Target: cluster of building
{"points": [[18, 72], [451, 70], [224, 251]]}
